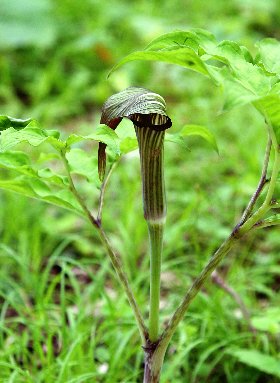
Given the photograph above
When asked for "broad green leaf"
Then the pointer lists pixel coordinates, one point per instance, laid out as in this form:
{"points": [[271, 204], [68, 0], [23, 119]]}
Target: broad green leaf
{"points": [[51, 177], [174, 40], [128, 144], [243, 70], [17, 161], [206, 39], [16, 123], [249, 75], [35, 188], [20, 162], [45, 157], [185, 57], [199, 40], [30, 134], [227, 63], [100, 134], [182, 48], [127, 137], [84, 164], [258, 360], [269, 106], [202, 131], [177, 139], [235, 94], [14, 159], [269, 55]]}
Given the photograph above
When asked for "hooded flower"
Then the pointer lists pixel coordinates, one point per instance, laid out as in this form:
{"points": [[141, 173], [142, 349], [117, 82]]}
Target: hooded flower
{"points": [[147, 111], [143, 107]]}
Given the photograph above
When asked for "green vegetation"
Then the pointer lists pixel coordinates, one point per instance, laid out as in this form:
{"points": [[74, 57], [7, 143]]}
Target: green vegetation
{"points": [[64, 316]]}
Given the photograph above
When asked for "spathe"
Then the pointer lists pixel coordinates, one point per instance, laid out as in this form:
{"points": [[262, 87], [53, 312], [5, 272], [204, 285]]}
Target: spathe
{"points": [[143, 107]]}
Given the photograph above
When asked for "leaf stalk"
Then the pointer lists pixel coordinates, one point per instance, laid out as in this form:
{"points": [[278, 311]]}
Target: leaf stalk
{"points": [[113, 257]]}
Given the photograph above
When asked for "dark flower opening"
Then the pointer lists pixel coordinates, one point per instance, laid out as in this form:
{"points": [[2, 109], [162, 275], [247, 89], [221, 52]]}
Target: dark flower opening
{"points": [[143, 107]]}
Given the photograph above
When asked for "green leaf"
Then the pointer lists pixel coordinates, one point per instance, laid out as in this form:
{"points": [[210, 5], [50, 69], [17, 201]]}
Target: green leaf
{"points": [[195, 39], [16, 123], [17, 161], [227, 63], [30, 134], [269, 106], [174, 40], [182, 48], [51, 177], [36, 188], [269, 55], [14, 159], [202, 131], [177, 139], [20, 162], [128, 144], [235, 93], [101, 134], [185, 57], [127, 136], [250, 76], [258, 360], [82, 163]]}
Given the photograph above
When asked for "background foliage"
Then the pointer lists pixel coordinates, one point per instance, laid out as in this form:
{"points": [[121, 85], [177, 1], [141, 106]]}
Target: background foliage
{"points": [[63, 315]]}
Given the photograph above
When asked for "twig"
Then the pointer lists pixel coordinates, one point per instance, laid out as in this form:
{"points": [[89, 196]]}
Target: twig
{"points": [[263, 180], [266, 223], [114, 258], [267, 205]]}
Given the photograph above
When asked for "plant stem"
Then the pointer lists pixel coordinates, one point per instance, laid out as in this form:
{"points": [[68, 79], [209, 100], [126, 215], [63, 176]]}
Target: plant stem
{"points": [[153, 363], [237, 233], [261, 184], [258, 215], [151, 151], [156, 238], [124, 281], [155, 355], [270, 222], [114, 258], [195, 288]]}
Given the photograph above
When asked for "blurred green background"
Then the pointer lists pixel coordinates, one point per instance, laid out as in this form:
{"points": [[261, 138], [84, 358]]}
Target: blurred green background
{"points": [[63, 315]]}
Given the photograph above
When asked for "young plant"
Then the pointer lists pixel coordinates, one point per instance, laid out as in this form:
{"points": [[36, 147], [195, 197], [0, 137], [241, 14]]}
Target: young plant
{"points": [[245, 80], [147, 112]]}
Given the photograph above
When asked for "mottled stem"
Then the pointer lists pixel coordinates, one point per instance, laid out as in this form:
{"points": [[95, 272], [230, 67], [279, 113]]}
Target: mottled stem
{"points": [[151, 157]]}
